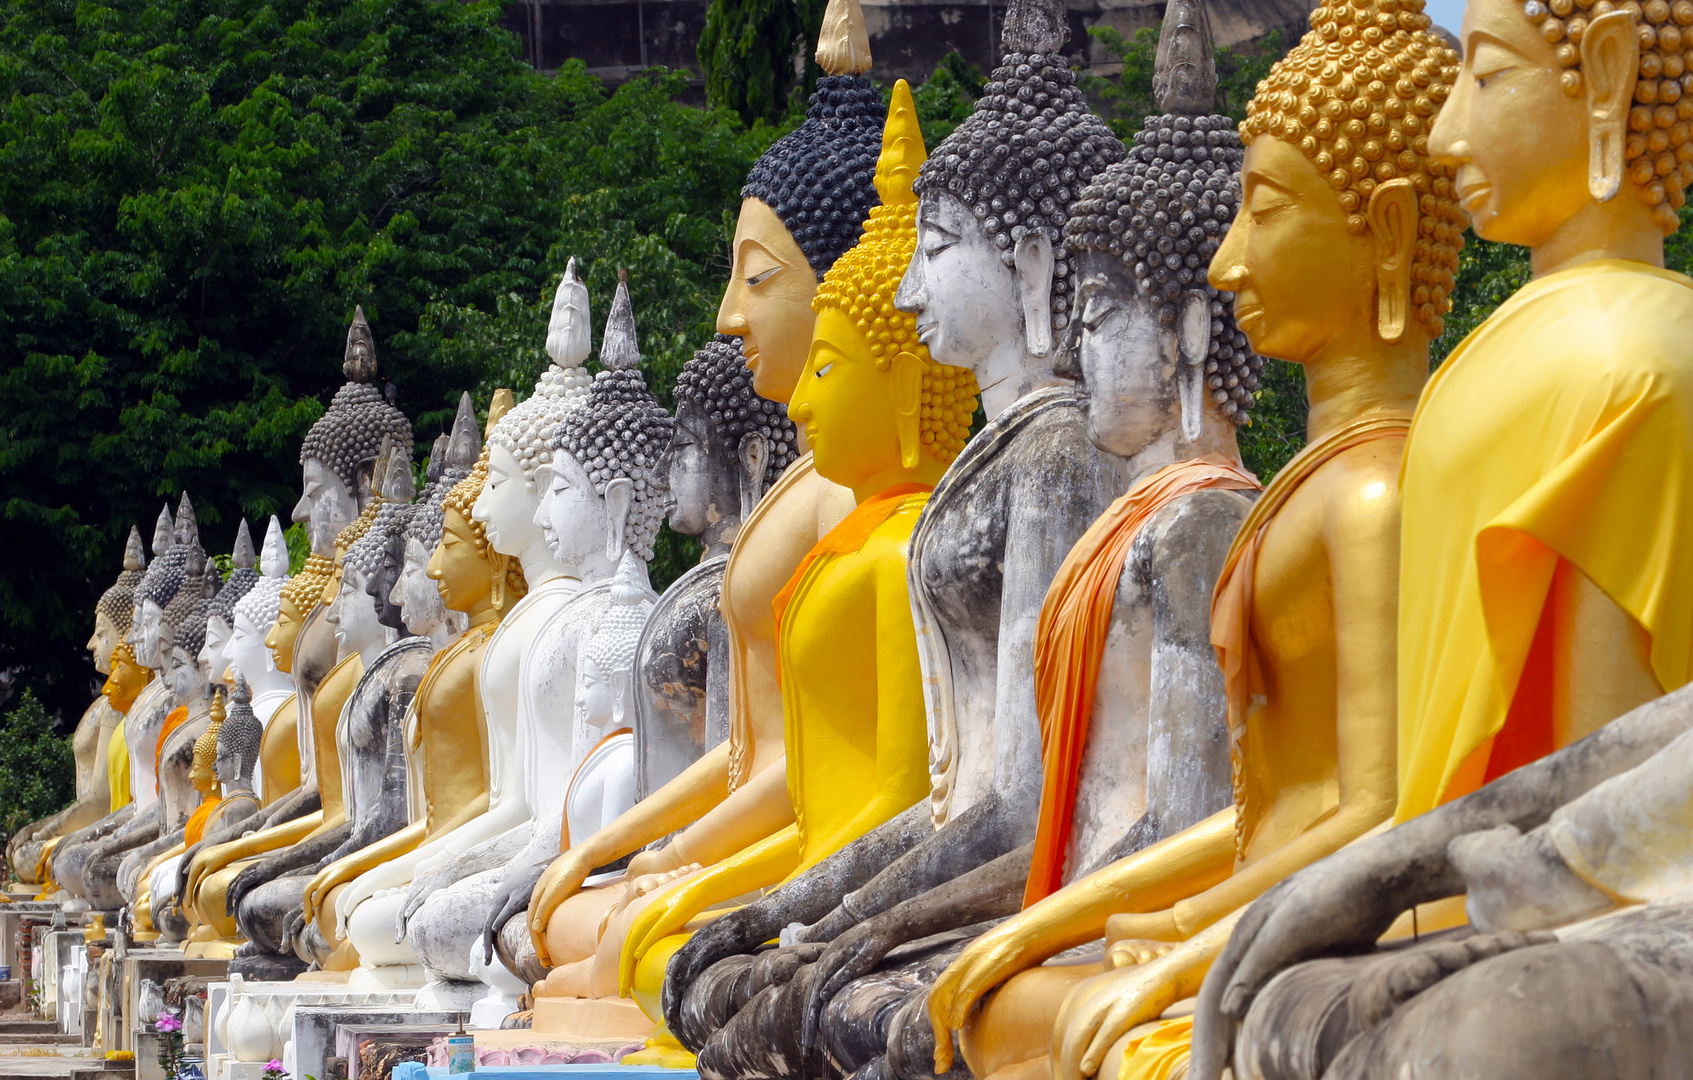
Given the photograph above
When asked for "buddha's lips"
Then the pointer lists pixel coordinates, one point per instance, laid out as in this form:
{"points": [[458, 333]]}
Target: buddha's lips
{"points": [[1247, 314], [1473, 196], [926, 330]]}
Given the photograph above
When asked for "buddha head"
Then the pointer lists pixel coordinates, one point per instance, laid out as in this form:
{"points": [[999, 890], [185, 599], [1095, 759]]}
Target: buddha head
{"points": [[158, 586], [355, 610], [254, 613], [1564, 106], [203, 773], [382, 557], [220, 611], [802, 207], [605, 672], [338, 458], [1349, 231], [522, 441], [604, 492], [1153, 345], [468, 573], [128, 678], [115, 609], [877, 410], [729, 444], [451, 460], [991, 283], [238, 741]]}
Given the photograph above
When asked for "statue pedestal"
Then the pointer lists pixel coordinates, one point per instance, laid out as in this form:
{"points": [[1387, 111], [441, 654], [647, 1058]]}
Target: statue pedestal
{"points": [[590, 1019]]}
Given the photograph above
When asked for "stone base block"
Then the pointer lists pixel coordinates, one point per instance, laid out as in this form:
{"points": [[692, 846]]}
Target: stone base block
{"points": [[590, 1020]]}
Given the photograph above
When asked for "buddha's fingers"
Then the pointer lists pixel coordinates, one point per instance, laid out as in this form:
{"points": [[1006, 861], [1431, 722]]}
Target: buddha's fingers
{"points": [[665, 916]]}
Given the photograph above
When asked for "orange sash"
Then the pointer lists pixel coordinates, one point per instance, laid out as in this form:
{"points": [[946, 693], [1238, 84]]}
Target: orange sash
{"points": [[196, 827], [1070, 645], [1231, 604], [848, 536]]}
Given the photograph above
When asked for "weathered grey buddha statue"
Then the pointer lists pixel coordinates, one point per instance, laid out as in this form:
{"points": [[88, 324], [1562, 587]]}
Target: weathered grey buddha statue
{"points": [[524, 741], [89, 744], [1133, 717], [601, 501], [991, 286]]}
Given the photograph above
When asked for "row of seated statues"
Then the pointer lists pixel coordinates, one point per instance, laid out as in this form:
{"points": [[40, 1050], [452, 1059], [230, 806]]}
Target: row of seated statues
{"points": [[1008, 725]]}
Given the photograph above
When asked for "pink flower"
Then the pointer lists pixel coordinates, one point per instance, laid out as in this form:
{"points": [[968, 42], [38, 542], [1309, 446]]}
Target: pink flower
{"points": [[273, 1065], [167, 1022]]}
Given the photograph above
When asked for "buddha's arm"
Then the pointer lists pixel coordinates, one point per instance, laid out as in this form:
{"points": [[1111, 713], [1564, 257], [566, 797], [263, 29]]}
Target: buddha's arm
{"points": [[685, 799], [440, 836], [1148, 880], [759, 866], [213, 859], [755, 810], [306, 854], [346, 869]]}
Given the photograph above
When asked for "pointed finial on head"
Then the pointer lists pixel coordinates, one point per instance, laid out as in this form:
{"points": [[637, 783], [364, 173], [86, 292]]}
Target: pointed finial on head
{"points": [[164, 532], [1184, 75], [1034, 26], [569, 331], [133, 557], [619, 350], [359, 362], [273, 560], [242, 558], [394, 483], [437, 459], [187, 526], [903, 152], [464, 444], [843, 44], [218, 713], [241, 693], [498, 405]]}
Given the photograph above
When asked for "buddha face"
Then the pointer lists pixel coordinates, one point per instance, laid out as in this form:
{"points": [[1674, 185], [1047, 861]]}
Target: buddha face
{"points": [[1127, 375], [383, 585], [201, 776], [846, 406], [148, 643], [1519, 143], [461, 575], [967, 301], [353, 615], [595, 699], [506, 507], [227, 767], [212, 654], [284, 633], [245, 652], [415, 591], [183, 674], [702, 481], [106, 637], [1300, 278], [768, 301], [326, 506], [125, 683], [579, 524]]}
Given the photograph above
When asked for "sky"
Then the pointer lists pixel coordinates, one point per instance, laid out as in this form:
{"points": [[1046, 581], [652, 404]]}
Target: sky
{"points": [[1447, 13]]}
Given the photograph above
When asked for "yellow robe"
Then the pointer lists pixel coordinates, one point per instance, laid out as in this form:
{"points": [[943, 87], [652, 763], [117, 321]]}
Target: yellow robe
{"points": [[1561, 428], [117, 766]]}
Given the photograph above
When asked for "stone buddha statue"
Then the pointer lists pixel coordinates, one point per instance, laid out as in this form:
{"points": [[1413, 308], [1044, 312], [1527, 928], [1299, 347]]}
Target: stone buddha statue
{"points": [[1133, 720], [91, 740], [247, 656], [884, 420], [526, 741], [446, 732], [802, 207], [990, 286], [602, 498], [338, 466], [1329, 260], [220, 611], [1562, 130]]}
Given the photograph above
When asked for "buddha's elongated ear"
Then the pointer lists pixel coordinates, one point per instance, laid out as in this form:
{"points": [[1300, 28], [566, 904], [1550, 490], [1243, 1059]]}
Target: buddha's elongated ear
{"points": [[1393, 226], [908, 407], [1033, 261], [1193, 342], [1610, 66], [619, 498], [754, 457]]}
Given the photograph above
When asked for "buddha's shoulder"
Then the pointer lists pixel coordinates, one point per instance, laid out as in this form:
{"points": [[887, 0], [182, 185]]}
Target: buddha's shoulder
{"points": [[1611, 317]]}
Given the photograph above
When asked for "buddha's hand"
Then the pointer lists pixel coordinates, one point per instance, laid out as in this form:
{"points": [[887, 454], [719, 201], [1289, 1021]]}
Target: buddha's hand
{"points": [[1519, 882], [1134, 938], [662, 861], [850, 956], [675, 904], [1103, 1009], [559, 882], [988, 961]]}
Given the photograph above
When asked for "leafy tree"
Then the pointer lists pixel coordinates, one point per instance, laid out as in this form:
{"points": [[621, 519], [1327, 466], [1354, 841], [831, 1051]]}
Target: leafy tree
{"points": [[748, 50], [946, 97], [37, 769], [195, 193]]}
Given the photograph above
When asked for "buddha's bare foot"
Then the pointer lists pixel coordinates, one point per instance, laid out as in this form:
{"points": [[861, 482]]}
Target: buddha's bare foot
{"points": [[1122, 954], [1519, 882], [646, 883], [567, 980]]}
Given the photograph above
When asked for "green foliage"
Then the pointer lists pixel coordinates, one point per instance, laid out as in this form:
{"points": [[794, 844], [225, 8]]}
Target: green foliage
{"points": [[299, 545], [195, 193], [1125, 100], [37, 770], [946, 97], [747, 50]]}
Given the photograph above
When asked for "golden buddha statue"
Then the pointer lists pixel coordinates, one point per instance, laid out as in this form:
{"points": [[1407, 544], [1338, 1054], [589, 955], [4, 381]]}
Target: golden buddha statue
{"points": [[883, 420], [128, 678], [735, 794], [1341, 260], [365, 889]]}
